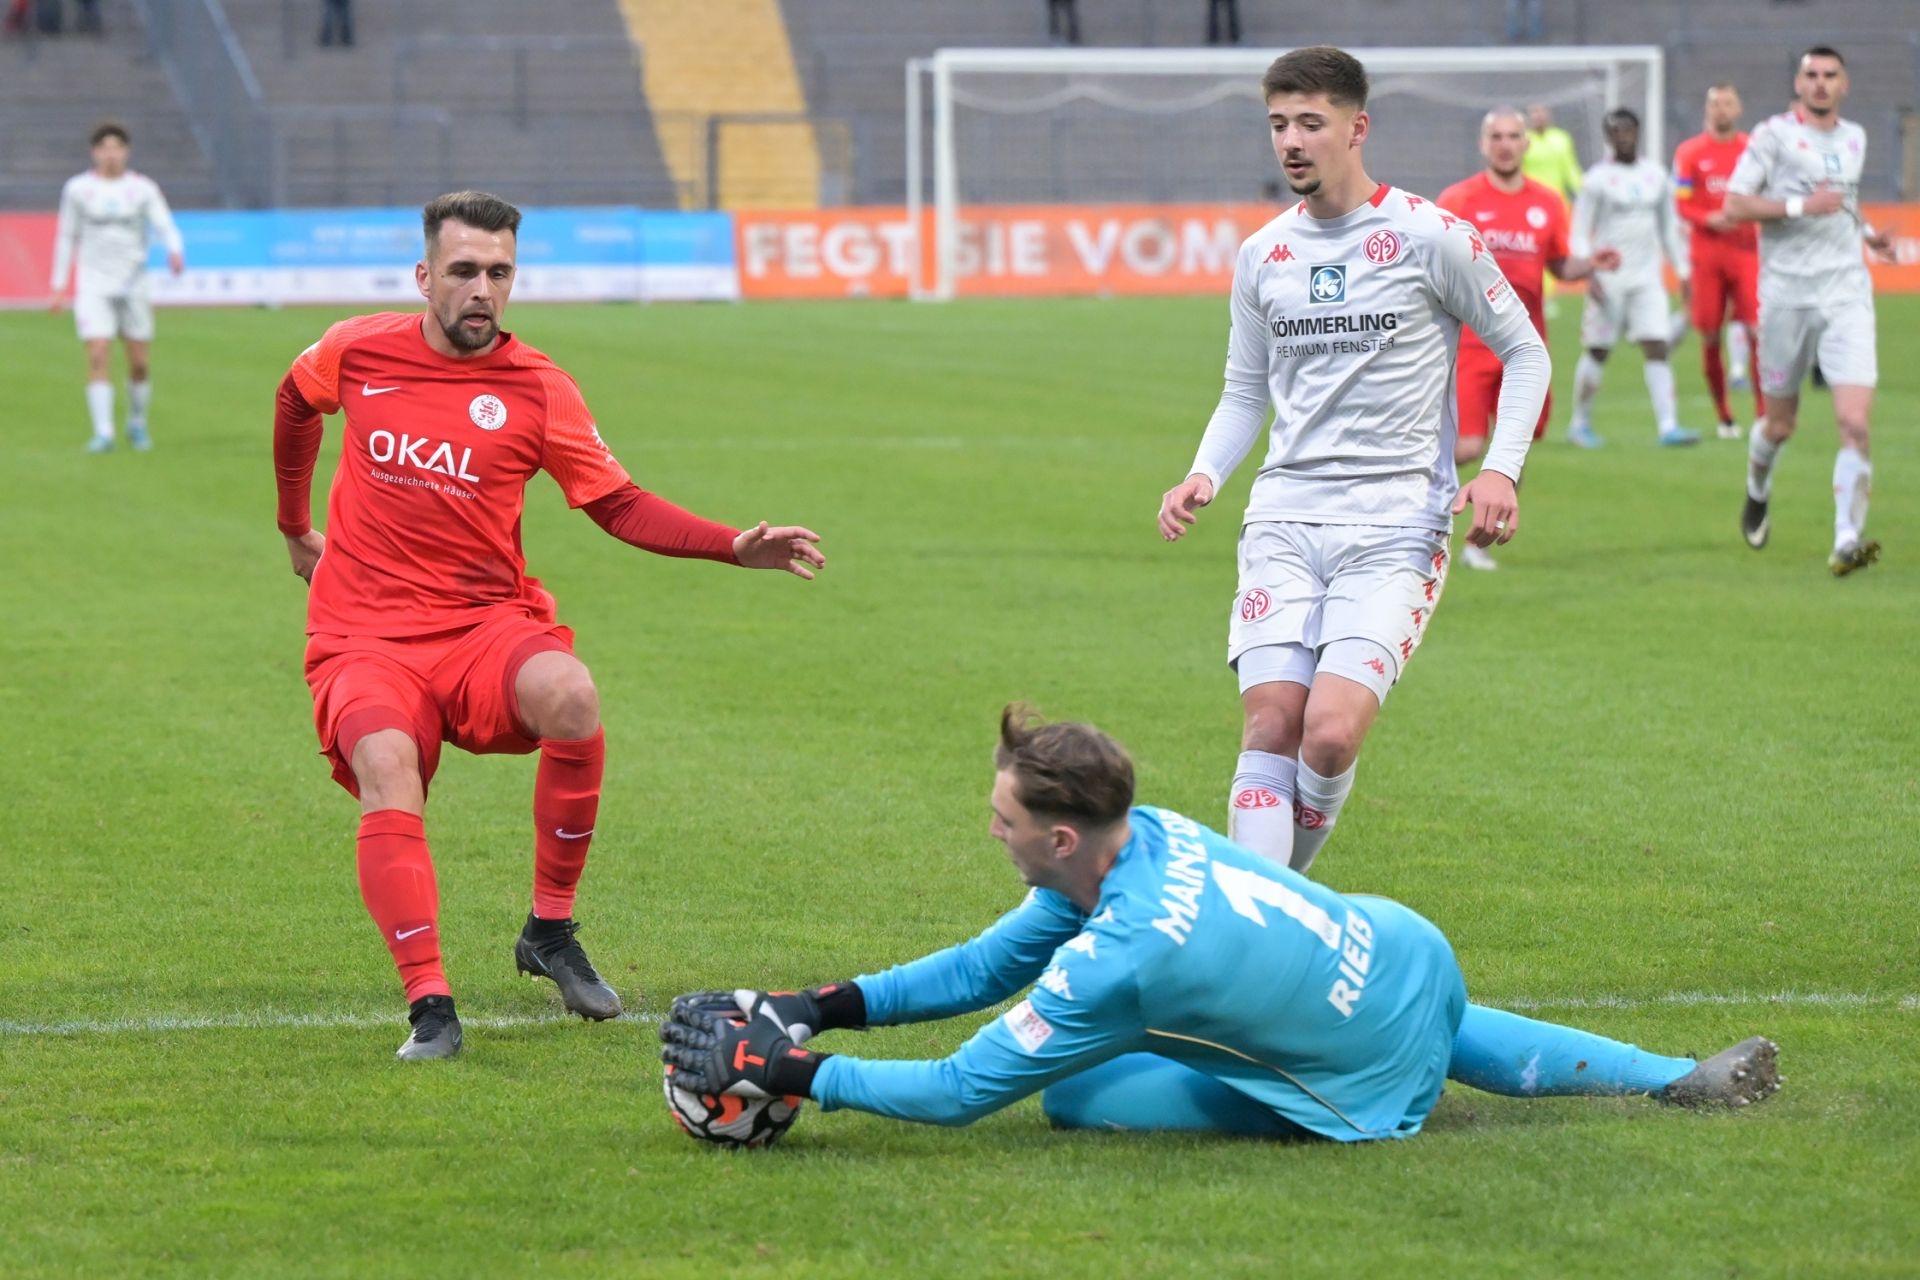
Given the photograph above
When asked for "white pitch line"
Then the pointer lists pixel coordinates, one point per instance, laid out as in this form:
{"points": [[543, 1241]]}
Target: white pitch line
{"points": [[264, 1021], [160, 1023]]}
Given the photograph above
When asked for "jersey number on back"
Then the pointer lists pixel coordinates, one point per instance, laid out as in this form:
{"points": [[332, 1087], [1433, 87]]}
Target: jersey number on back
{"points": [[1247, 891]]}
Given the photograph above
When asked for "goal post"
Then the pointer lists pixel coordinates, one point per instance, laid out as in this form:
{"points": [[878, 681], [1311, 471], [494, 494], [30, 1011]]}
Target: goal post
{"points": [[1152, 126]]}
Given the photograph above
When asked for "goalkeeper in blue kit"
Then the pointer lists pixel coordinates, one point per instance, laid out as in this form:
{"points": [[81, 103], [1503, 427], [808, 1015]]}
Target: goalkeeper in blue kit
{"points": [[1178, 982]]}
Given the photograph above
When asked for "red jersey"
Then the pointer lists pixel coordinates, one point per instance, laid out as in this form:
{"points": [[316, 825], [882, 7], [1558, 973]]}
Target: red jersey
{"points": [[1702, 166], [1526, 229], [423, 524]]}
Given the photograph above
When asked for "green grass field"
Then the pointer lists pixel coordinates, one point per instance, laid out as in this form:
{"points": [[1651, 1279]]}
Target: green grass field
{"points": [[1647, 780]]}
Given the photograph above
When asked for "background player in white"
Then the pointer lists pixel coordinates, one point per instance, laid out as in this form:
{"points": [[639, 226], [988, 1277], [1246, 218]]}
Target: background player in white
{"points": [[1626, 203], [105, 215], [1800, 180], [1346, 314]]}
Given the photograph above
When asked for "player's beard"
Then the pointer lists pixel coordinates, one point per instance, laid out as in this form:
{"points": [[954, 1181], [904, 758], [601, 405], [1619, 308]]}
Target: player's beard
{"points": [[469, 339], [1304, 188]]}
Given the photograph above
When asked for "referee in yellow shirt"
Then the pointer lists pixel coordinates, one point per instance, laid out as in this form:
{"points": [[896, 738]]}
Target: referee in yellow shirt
{"points": [[1551, 160]]}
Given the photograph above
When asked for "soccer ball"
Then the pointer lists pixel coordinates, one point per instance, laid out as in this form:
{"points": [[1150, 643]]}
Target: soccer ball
{"points": [[728, 1121]]}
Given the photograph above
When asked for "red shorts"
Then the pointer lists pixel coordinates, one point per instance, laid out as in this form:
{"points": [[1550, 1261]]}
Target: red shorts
{"points": [[1477, 393], [454, 686], [1723, 277]]}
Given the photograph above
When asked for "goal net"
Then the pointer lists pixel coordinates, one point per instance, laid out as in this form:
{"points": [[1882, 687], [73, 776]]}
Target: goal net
{"points": [[1163, 126]]}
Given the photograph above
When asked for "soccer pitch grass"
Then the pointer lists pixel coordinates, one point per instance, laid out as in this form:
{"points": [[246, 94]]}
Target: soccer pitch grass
{"points": [[1646, 780]]}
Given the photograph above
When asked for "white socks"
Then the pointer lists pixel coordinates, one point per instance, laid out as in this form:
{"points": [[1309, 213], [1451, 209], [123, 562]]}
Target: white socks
{"points": [[1738, 345], [100, 409], [138, 394], [1659, 376], [1852, 481], [1586, 385], [1260, 810], [1315, 809], [1761, 453]]}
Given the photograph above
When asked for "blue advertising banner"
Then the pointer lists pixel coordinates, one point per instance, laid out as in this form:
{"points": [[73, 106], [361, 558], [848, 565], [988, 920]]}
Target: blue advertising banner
{"points": [[368, 255]]}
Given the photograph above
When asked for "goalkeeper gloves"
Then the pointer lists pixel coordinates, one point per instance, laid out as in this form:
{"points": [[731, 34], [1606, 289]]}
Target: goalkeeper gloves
{"points": [[802, 1015], [713, 1052]]}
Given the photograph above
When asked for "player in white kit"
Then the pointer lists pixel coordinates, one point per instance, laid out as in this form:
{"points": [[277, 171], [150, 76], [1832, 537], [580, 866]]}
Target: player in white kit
{"points": [[1346, 313], [1626, 203], [105, 216], [1800, 180]]}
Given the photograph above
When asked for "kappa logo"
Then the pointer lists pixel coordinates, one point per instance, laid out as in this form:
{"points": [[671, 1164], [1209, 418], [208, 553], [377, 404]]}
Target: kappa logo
{"points": [[1328, 283], [488, 412], [1255, 604], [1281, 253], [1382, 247], [1379, 667], [1255, 798], [1414, 202]]}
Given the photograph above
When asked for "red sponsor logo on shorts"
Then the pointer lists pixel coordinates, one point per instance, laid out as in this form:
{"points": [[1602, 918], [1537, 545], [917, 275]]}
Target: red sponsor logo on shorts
{"points": [[1311, 819], [1254, 605], [1382, 247], [1379, 667], [1439, 561], [1406, 647], [1429, 585], [1419, 616], [1256, 798]]}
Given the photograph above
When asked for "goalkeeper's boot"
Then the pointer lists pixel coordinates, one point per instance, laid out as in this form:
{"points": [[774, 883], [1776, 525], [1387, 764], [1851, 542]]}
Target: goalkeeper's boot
{"points": [[1852, 555], [1753, 522], [548, 949], [436, 1030], [1731, 1078]]}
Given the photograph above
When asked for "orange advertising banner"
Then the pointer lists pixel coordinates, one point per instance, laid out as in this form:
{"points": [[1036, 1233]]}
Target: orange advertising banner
{"points": [[1003, 251], [1031, 250]]}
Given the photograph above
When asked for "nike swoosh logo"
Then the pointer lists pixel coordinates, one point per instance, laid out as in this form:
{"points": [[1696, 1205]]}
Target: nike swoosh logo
{"points": [[368, 389], [565, 834], [402, 936]]}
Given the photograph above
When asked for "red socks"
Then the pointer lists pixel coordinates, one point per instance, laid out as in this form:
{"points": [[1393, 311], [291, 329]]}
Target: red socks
{"points": [[1716, 378], [566, 798], [396, 883]]}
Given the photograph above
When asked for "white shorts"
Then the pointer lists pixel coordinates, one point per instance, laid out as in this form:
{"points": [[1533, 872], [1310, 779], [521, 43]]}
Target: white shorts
{"points": [[1636, 309], [1308, 585], [1840, 335], [100, 315]]}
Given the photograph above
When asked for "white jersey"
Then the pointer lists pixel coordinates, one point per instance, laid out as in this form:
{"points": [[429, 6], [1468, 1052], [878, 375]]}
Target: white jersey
{"points": [[1348, 327], [1810, 260], [104, 223], [1629, 207]]}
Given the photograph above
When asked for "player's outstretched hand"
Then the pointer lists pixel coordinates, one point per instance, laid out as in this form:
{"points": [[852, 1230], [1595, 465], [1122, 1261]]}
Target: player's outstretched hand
{"points": [[786, 546], [714, 1053], [1496, 508], [1178, 504], [305, 552], [802, 1015], [1881, 242]]}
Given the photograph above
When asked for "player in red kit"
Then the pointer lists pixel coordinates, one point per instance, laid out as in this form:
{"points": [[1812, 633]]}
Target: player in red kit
{"points": [[1524, 223], [1726, 254], [423, 626]]}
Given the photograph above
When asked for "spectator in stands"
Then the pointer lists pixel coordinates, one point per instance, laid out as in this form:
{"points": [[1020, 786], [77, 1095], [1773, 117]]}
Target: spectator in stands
{"points": [[16, 22], [1525, 21], [336, 24], [87, 21], [1063, 21], [1223, 21]]}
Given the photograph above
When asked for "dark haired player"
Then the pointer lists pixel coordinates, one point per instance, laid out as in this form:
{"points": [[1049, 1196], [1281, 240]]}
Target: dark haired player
{"points": [[1178, 982], [422, 623], [1346, 315]]}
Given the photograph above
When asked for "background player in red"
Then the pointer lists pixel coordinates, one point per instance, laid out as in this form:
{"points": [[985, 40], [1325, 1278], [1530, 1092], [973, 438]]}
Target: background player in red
{"points": [[1524, 223], [422, 623], [1726, 254]]}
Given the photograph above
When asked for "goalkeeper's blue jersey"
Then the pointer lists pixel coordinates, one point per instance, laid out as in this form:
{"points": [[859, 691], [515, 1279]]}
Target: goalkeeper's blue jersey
{"points": [[1336, 1011]]}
